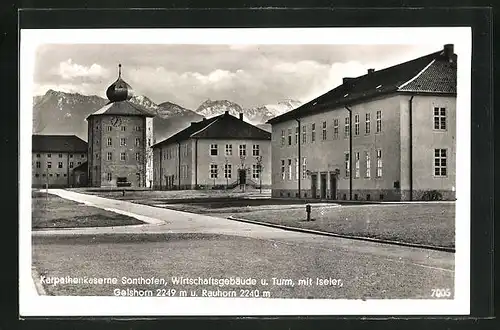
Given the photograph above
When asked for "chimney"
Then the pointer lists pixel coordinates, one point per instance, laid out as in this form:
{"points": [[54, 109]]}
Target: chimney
{"points": [[371, 71], [241, 115], [193, 123], [346, 80], [448, 52], [226, 112], [204, 118]]}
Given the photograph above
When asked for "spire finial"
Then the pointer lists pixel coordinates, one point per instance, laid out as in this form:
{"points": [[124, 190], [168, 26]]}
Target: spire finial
{"points": [[119, 70]]}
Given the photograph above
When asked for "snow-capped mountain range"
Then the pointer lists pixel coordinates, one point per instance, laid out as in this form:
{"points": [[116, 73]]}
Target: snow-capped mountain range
{"points": [[64, 113]]}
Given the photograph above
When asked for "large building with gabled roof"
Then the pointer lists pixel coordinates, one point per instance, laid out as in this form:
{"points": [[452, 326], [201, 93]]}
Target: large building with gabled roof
{"points": [[120, 136], [219, 152], [395, 128], [54, 160]]}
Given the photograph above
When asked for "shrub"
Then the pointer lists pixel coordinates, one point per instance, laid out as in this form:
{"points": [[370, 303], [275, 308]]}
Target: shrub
{"points": [[432, 195]]}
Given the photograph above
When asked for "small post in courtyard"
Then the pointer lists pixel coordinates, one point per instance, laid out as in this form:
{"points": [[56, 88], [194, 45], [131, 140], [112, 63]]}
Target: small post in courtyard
{"points": [[308, 211]]}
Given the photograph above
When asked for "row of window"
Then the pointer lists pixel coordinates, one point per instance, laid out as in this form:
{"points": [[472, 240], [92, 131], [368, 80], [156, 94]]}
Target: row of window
{"points": [[122, 128], [123, 156], [439, 124], [214, 171], [214, 150], [440, 165], [37, 175], [123, 142], [59, 155], [59, 164]]}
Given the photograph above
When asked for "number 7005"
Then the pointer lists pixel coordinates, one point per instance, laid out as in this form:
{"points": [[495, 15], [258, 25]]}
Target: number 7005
{"points": [[441, 293]]}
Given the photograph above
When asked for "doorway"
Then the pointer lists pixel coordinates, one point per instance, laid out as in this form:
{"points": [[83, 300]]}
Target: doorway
{"points": [[242, 175], [333, 186], [314, 182], [323, 186]]}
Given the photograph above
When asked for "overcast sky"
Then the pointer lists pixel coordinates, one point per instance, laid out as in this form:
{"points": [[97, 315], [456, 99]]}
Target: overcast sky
{"points": [[249, 75]]}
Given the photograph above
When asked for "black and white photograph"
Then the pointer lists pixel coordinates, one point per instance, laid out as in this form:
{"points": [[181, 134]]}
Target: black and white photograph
{"points": [[292, 171]]}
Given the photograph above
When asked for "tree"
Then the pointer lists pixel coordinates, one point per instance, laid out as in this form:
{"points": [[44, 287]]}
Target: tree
{"points": [[260, 168]]}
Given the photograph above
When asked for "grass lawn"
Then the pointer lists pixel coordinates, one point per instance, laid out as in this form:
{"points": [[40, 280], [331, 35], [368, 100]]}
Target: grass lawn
{"points": [[429, 224], [50, 211], [220, 256]]}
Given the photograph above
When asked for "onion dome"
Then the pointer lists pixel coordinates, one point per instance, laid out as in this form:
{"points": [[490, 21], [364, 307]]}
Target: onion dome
{"points": [[119, 90]]}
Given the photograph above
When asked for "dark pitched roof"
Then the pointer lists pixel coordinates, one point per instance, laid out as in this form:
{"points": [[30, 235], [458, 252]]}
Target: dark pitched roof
{"points": [[433, 73], [82, 167], [122, 108], [58, 143], [224, 126]]}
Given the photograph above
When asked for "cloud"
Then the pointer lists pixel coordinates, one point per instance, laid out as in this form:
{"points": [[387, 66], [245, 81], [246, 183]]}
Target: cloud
{"points": [[68, 70]]}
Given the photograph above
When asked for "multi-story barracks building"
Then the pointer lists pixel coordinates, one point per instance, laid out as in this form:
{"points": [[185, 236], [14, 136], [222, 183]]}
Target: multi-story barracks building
{"points": [[120, 135], [219, 152], [386, 135]]}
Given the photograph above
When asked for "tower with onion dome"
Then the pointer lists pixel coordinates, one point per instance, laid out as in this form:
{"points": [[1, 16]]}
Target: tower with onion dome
{"points": [[120, 135]]}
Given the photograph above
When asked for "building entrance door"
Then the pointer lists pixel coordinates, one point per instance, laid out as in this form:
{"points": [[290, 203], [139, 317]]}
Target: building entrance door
{"points": [[242, 174], [333, 186], [323, 186], [314, 182]]}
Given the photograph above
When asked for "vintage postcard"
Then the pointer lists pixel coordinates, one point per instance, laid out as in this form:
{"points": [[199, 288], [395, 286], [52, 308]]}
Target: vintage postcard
{"points": [[311, 171]]}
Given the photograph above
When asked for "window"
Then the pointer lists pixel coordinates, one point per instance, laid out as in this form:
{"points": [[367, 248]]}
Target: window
{"points": [[356, 125], [289, 169], [282, 169], [50, 174], [122, 128], [304, 134], [379, 121], [79, 163], [71, 164], [65, 175], [122, 156], [109, 156], [297, 170], [304, 168], [356, 164], [297, 135], [367, 123], [440, 162], [49, 155], [37, 155], [70, 155], [149, 142], [440, 118], [368, 164], [335, 129], [346, 127], [137, 128], [38, 164], [347, 165], [213, 171], [227, 171], [37, 175], [324, 131], [289, 136], [60, 155], [109, 142], [97, 127], [379, 163], [49, 164], [137, 156], [255, 171], [213, 150], [229, 149], [313, 132], [282, 137], [59, 165], [110, 177], [82, 155], [123, 141], [243, 149], [109, 128], [97, 156], [44, 175], [255, 150], [137, 142], [58, 175]]}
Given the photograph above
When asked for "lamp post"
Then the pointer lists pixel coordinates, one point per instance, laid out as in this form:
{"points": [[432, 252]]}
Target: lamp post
{"points": [[350, 151]]}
